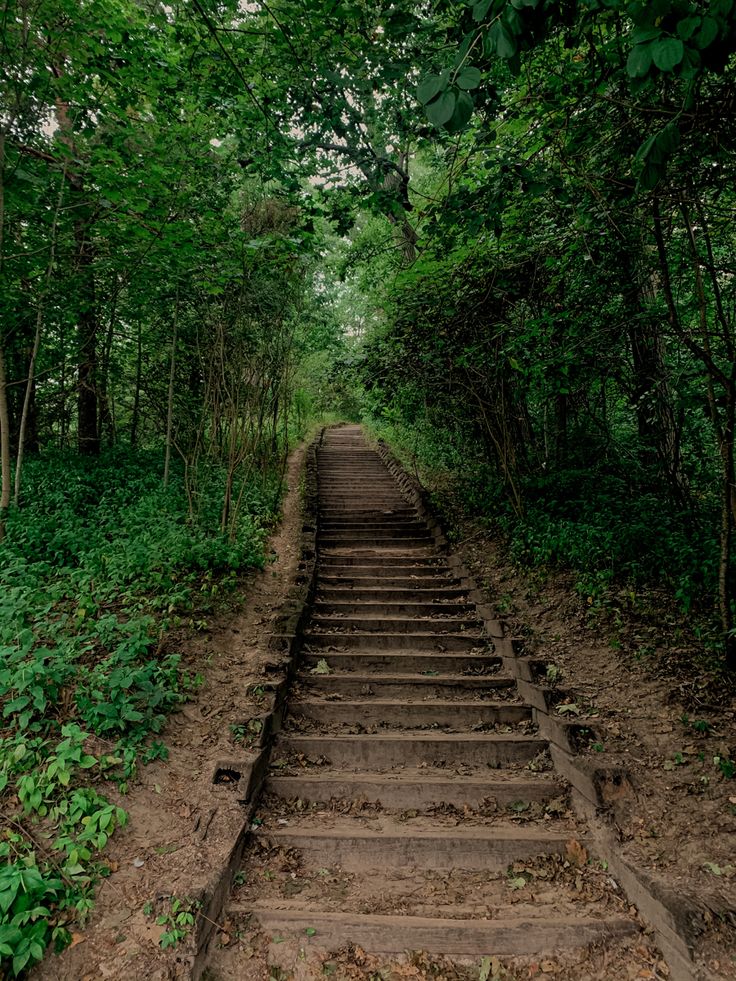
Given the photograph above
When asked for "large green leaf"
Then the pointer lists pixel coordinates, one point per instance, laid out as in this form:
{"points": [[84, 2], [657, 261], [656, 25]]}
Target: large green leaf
{"points": [[501, 40], [461, 114], [639, 61], [667, 53], [440, 111], [429, 88], [687, 27], [641, 34], [481, 8], [469, 78], [707, 33]]}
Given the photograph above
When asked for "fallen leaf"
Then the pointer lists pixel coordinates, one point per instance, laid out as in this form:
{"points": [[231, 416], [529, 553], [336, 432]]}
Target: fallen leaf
{"points": [[575, 853], [716, 869], [570, 708], [490, 968]]}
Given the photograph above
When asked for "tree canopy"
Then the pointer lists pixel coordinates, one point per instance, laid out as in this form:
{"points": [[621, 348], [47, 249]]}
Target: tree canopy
{"points": [[501, 232]]}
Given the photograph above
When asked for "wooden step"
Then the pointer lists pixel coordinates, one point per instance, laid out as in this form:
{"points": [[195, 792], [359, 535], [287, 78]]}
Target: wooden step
{"points": [[437, 612], [382, 624], [379, 749], [415, 789], [376, 934], [402, 662], [375, 711], [380, 640], [355, 847], [409, 686]]}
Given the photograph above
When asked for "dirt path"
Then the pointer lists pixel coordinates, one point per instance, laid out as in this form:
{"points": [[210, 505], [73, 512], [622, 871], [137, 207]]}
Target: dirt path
{"points": [[179, 825], [621, 670], [410, 803]]}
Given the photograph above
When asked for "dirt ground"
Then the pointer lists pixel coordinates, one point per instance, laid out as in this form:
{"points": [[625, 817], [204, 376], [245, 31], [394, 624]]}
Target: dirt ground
{"points": [[179, 823], [258, 959], [620, 670], [625, 670]]}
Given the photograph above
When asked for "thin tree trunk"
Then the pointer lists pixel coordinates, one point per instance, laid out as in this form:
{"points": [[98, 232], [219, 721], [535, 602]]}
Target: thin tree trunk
{"points": [[170, 404], [725, 570], [88, 436], [725, 426], [106, 415], [40, 310], [137, 392], [27, 402], [4, 447], [62, 390], [4, 415], [87, 401]]}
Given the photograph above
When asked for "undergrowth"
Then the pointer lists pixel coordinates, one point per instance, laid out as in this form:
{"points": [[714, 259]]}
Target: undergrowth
{"points": [[596, 520], [98, 564]]}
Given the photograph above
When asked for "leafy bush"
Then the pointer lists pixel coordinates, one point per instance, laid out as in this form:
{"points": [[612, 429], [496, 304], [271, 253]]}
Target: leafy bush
{"points": [[602, 523], [93, 568]]}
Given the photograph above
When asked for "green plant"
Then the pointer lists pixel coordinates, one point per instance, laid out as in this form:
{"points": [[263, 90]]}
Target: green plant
{"points": [[156, 751], [248, 732], [178, 920], [701, 726], [89, 582]]}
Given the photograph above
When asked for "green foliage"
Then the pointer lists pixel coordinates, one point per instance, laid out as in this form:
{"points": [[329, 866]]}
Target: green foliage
{"points": [[178, 919], [500, 230], [95, 567]]}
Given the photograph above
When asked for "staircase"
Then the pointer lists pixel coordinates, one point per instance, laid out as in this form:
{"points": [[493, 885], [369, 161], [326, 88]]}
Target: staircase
{"points": [[411, 804]]}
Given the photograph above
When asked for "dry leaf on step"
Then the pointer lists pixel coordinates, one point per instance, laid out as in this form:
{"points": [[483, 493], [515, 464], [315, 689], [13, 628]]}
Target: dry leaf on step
{"points": [[575, 853]]}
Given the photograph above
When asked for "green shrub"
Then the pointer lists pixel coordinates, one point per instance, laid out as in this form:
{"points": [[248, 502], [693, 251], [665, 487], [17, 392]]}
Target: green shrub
{"points": [[94, 565]]}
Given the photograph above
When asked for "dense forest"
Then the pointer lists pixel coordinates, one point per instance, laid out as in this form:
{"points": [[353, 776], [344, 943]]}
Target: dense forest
{"points": [[501, 233]]}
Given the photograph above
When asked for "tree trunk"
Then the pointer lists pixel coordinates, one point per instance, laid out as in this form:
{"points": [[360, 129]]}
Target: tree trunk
{"points": [[659, 434], [87, 327], [170, 401], [106, 414], [724, 424], [62, 390], [655, 416], [137, 392], [725, 568], [4, 447], [88, 436], [4, 415], [40, 310], [27, 400]]}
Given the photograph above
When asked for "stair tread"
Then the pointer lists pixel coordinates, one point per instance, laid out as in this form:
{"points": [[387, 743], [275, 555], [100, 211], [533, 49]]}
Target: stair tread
{"points": [[422, 776], [405, 836], [438, 737], [349, 829]]}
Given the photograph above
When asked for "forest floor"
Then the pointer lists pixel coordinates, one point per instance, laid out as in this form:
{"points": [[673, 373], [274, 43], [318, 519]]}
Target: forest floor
{"points": [[633, 670], [179, 825], [625, 667]]}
